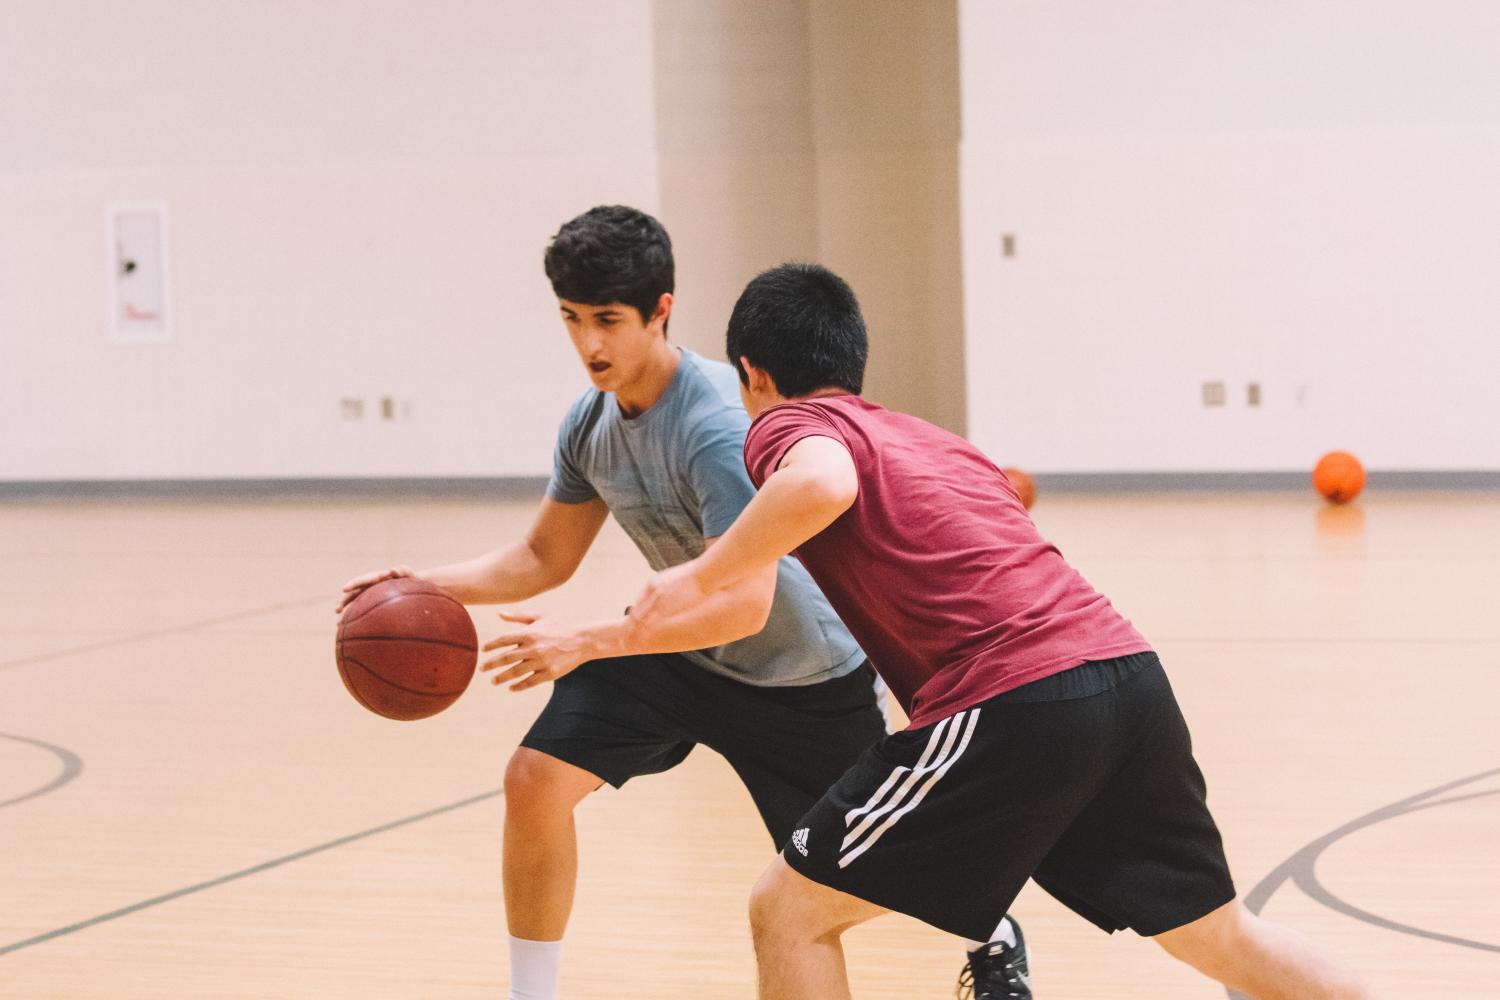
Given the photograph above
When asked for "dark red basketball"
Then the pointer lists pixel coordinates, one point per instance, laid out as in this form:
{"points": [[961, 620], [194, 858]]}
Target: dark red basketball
{"points": [[406, 649]]}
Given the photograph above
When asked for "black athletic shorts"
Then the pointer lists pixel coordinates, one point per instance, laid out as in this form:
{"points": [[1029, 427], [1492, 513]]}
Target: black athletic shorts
{"points": [[633, 715], [1084, 781]]}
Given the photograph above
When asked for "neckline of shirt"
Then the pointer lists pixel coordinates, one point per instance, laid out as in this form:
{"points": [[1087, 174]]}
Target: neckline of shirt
{"points": [[646, 416]]}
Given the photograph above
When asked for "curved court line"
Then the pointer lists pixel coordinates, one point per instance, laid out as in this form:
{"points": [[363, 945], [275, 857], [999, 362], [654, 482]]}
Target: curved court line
{"points": [[245, 872], [1300, 868], [72, 766], [156, 633]]}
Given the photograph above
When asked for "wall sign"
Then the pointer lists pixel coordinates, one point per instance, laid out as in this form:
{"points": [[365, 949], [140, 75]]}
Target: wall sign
{"points": [[140, 292]]}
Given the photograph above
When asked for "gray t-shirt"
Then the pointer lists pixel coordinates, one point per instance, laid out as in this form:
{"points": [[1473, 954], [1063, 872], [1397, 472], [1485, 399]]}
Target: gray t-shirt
{"points": [[675, 475]]}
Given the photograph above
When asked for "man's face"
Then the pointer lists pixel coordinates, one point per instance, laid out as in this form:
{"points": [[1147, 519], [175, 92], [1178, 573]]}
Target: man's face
{"points": [[612, 341]]}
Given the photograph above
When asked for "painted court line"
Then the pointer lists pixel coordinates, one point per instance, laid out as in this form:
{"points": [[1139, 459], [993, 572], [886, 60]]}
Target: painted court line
{"points": [[123, 640], [72, 766], [286, 859], [1301, 868]]}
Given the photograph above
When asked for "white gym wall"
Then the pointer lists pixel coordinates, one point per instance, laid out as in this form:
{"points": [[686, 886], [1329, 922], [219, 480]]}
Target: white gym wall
{"points": [[359, 196], [1301, 195], [1297, 195]]}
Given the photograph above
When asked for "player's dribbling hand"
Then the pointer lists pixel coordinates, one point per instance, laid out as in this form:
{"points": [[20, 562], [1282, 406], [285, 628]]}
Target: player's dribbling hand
{"points": [[667, 594], [535, 654], [359, 584]]}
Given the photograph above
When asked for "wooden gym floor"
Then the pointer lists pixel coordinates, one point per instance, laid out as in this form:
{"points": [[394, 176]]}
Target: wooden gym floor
{"points": [[192, 807]]}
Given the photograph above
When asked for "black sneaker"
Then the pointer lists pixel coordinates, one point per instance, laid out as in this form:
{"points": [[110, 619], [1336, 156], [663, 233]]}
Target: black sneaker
{"points": [[998, 971]]}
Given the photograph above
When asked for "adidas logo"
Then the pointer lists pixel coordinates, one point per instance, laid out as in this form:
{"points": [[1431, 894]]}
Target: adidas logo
{"points": [[799, 841]]}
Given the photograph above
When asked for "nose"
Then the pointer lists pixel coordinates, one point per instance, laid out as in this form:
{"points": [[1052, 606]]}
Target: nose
{"points": [[589, 343]]}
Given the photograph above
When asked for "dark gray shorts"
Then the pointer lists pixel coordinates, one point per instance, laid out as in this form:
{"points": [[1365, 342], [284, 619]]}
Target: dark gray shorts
{"points": [[634, 715]]}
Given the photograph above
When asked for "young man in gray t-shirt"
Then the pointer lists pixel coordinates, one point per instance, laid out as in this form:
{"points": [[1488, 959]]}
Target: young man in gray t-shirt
{"points": [[657, 442]]}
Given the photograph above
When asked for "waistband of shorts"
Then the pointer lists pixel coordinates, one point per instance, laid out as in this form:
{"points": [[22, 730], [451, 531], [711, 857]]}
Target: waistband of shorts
{"points": [[1089, 678]]}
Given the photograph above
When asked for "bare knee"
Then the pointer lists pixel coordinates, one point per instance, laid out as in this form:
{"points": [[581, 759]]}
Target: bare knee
{"points": [[525, 778], [772, 910], [535, 781], [788, 910]]}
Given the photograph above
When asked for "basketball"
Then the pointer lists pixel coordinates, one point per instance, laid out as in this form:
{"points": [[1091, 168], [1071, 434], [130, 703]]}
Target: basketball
{"points": [[1023, 484], [406, 649], [1339, 477]]}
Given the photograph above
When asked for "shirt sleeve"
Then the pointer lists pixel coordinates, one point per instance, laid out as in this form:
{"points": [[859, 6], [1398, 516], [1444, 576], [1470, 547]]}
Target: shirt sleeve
{"points": [[775, 431], [716, 473], [568, 483]]}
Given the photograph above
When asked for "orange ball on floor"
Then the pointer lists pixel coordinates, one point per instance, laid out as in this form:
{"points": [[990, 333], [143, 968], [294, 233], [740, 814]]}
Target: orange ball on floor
{"points": [[1023, 484], [1339, 477]]}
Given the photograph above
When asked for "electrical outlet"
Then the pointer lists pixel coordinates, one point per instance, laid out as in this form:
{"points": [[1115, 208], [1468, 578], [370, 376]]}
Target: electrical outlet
{"points": [[387, 408], [1007, 245], [1213, 394], [1252, 394]]}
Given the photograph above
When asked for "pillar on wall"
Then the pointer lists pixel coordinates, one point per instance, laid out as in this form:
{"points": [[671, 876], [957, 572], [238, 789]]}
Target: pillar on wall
{"points": [[735, 151], [821, 130], [886, 121]]}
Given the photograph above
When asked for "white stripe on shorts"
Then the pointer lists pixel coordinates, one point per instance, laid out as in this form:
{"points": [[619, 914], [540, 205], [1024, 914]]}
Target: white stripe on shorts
{"points": [[935, 771], [933, 740], [947, 728]]}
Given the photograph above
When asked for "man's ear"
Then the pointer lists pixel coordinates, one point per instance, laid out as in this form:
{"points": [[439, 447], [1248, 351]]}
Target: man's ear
{"points": [[662, 314], [760, 381]]}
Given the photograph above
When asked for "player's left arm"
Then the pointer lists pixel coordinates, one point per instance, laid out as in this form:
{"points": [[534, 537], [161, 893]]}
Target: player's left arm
{"points": [[814, 484], [541, 651]]}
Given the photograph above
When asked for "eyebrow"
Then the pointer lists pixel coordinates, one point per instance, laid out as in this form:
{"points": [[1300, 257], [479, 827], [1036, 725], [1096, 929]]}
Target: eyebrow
{"points": [[601, 314]]}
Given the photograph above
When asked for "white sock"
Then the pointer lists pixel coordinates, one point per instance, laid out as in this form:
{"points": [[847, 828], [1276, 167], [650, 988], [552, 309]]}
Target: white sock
{"points": [[1005, 932], [533, 969]]}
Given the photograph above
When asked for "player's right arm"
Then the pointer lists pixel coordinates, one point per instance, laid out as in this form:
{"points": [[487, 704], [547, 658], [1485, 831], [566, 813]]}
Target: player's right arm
{"points": [[814, 483], [545, 558]]}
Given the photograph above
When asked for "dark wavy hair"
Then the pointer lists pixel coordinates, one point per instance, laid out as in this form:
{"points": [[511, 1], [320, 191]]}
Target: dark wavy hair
{"points": [[612, 253]]}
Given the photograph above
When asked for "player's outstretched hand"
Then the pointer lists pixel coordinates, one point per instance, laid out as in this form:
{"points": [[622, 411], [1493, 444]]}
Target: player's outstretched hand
{"points": [[359, 584], [537, 653], [667, 594]]}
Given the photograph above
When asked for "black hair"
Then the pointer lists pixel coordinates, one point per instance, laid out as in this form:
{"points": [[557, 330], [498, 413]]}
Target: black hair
{"points": [[802, 325], [611, 253]]}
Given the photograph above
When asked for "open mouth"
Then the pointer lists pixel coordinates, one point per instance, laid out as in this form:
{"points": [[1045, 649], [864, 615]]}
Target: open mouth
{"points": [[598, 367]]}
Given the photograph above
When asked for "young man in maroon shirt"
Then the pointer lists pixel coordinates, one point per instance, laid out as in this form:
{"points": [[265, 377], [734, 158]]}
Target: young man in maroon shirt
{"points": [[1044, 741]]}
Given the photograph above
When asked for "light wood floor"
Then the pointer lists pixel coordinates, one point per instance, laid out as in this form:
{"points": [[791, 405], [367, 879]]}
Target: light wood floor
{"points": [[192, 807]]}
